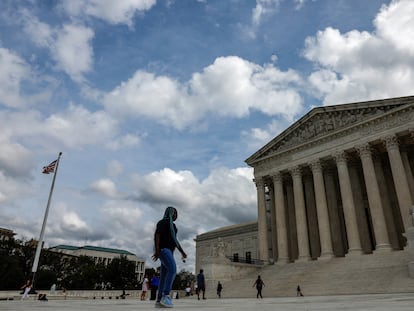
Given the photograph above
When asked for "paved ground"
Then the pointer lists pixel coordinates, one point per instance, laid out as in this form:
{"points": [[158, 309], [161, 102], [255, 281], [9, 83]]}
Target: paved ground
{"points": [[395, 302]]}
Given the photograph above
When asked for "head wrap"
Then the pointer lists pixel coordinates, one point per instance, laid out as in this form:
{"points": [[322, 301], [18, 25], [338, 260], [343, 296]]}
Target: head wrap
{"points": [[168, 214]]}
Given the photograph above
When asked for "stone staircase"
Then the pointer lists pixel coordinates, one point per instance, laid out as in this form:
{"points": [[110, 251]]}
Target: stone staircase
{"points": [[380, 272]]}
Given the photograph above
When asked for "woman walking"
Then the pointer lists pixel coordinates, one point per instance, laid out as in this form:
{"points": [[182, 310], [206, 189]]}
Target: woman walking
{"points": [[165, 240]]}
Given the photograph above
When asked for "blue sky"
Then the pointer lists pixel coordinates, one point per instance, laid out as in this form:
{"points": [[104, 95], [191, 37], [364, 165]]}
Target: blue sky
{"points": [[159, 102]]}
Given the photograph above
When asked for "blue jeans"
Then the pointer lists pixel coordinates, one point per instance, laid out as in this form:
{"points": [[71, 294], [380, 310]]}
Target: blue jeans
{"points": [[167, 273]]}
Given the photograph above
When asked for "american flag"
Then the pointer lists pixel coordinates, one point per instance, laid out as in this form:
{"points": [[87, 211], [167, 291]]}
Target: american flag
{"points": [[50, 168]]}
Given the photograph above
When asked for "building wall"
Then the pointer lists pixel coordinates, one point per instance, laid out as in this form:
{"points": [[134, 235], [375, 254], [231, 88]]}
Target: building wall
{"points": [[227, 241]]}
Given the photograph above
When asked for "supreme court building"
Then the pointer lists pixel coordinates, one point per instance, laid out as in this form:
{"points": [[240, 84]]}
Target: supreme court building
{"points": [[337, 182]]}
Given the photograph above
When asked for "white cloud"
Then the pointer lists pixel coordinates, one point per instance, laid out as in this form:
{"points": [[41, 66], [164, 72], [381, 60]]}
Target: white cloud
{"points": [[264, 8], [122, 215], [256, 138], [40, 33], [105, 187], [73, 52], [72, 128], [113, 12], [67, 226], [14, 70], [226, 196], [12, 189], [154, 97], [395, 23], [128, 140], [69, 45], [169, 187], [359, 65], [15, 158], [77, 127], [299, 4], [230, 87]]}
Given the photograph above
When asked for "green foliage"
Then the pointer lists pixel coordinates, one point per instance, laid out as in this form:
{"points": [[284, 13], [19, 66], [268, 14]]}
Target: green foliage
{"points": [[11, 275], [119, 272], [183, 279]]}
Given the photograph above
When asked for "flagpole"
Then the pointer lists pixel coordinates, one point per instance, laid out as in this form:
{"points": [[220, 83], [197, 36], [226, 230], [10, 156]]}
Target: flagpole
{"points": [[42, 232]]}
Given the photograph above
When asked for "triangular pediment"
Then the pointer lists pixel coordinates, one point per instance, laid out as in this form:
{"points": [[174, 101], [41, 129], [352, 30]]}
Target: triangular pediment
{"points": [[325, 120]]}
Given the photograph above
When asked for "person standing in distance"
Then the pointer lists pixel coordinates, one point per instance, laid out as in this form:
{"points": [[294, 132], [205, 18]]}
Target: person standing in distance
{"points": [[259, 285], [165, 240], [201, 284], [219, 289]]}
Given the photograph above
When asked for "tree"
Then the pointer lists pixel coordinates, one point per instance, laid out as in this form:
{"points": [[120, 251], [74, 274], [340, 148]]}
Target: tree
{"points": [[121, 273], [15, 258], [183, 279]]}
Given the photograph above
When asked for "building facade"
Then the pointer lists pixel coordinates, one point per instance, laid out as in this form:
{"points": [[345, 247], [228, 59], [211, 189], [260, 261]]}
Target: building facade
{"points": [[6, 234], [238, 243], [103, 255], [338, 181]]}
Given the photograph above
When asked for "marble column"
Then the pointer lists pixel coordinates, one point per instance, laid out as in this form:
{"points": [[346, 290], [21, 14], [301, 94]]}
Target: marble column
{"points": [[348, 205], [400, 180], [300, 212], [291, 220], [262, 220], [386, 203], [272, 255], [374, 199], [322, 210], [281, 224], [362, 212], [335, 219], [407, 167]]}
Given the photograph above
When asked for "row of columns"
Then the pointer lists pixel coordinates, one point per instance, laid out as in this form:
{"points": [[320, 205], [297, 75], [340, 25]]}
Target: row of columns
{"points": [[374, 183]]}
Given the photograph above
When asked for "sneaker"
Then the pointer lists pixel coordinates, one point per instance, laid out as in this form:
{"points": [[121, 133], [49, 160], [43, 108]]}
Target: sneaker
{"points": [[166, 302]]}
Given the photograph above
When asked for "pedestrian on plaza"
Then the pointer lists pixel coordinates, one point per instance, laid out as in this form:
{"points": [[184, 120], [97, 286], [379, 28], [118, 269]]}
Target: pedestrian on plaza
{"points": [[165, 240], [154, 286], [298, 292], [259, 285], [201, 284], [145, 285], [219, 289], [42, 297], [124, 294], [26, 289]]}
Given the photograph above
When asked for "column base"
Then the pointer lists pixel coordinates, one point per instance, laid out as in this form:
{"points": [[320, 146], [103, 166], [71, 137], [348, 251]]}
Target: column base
{"points": [[411, 269], [383, 248], [326, 256], [409, 234], [282, 261], [303, 259], [354, 252]]}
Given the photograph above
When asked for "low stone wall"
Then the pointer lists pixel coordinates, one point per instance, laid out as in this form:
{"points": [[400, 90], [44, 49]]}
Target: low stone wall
{"points": [[81, 294]]}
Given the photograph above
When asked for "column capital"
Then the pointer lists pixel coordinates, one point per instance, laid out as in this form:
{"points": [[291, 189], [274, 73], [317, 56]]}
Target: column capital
{"points": [[296, 171], [391, 142], [340, 156], [277, 177], [411, 131], [364, 150], [316, 166], [259, 182]]}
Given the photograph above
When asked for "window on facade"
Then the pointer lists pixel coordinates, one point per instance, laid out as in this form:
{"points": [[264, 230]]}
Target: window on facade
{"points": [[236, 257]]}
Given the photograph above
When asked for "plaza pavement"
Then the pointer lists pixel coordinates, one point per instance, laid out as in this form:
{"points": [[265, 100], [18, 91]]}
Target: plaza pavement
{"points": [[379, 302]]}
